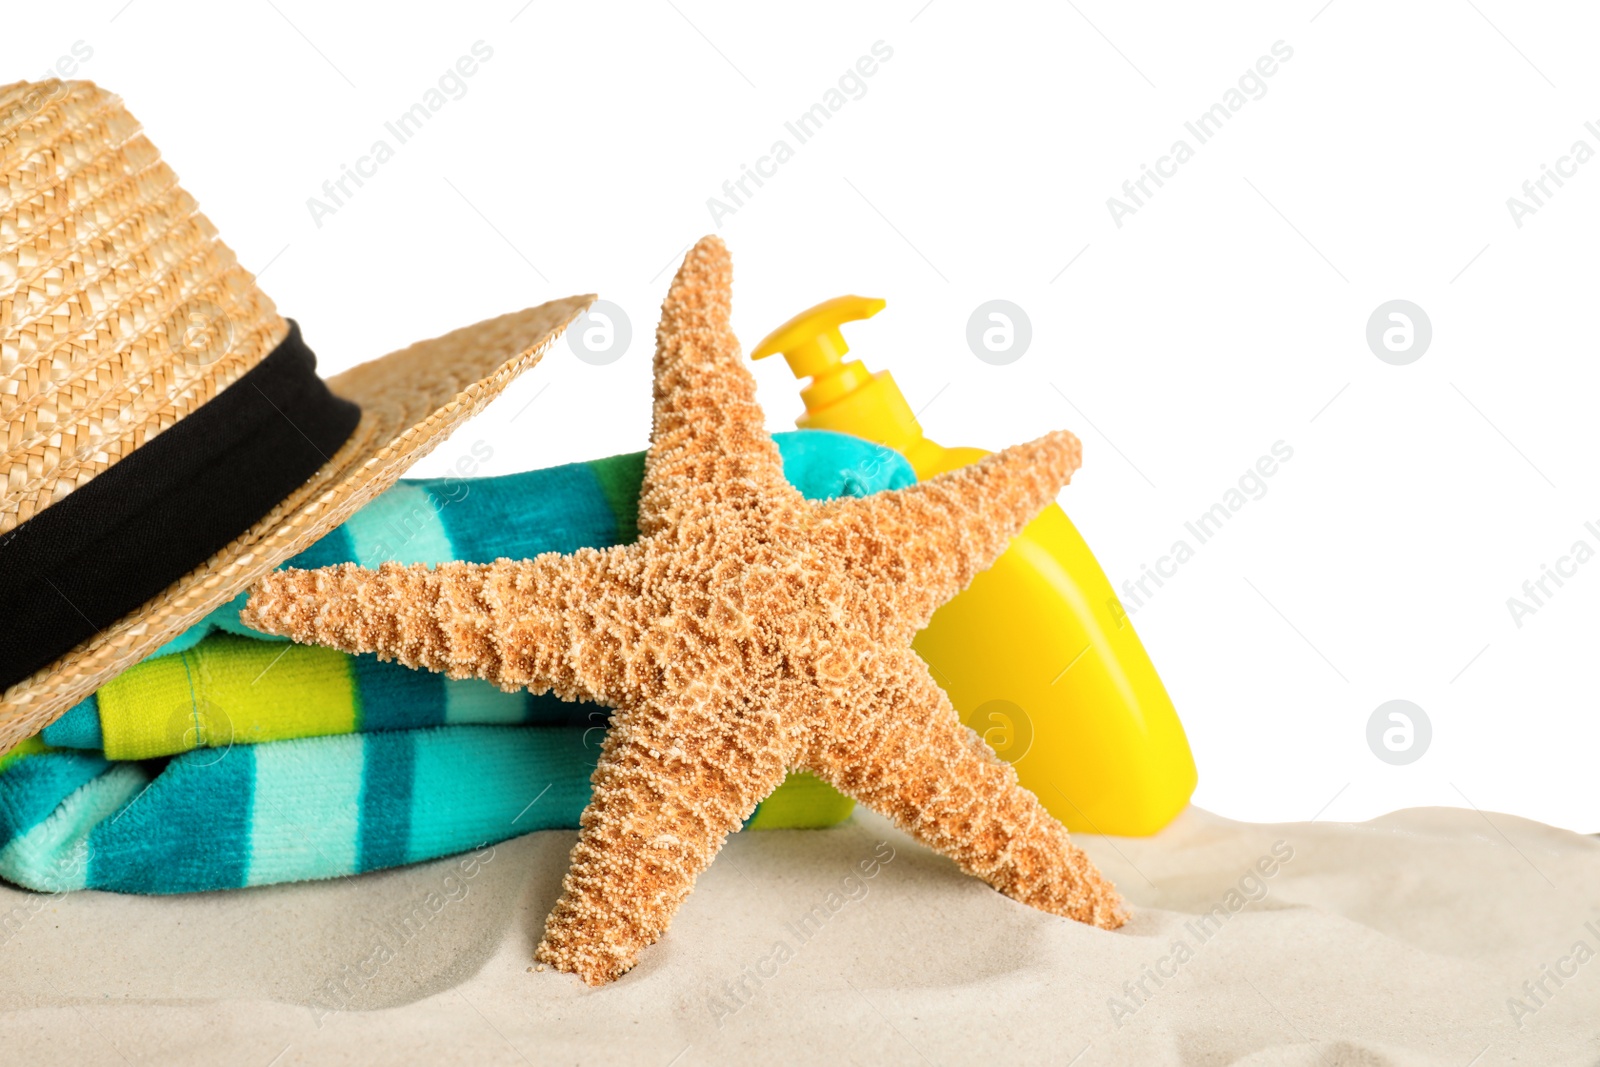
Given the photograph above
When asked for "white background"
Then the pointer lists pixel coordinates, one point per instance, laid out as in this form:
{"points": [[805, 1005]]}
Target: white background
{"points": [[1225, 315]]}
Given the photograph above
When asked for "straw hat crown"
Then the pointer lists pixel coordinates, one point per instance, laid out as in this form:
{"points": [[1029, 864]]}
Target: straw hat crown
{"points": [[120, 309]]}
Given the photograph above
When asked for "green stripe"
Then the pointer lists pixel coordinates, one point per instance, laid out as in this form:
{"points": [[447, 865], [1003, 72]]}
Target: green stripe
{"points": [[620, 478], [803, 801], [28, 746]]}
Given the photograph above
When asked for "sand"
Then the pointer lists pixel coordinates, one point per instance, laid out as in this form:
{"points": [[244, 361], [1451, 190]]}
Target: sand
{"points": [[1405, 940]]}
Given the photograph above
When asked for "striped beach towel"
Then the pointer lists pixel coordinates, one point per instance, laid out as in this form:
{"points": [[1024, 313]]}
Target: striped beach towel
{"points": [[317, 807], [278, 762]]}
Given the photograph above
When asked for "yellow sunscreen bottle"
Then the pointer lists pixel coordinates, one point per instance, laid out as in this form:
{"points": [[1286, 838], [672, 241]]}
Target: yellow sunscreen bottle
{"points": [[1036, 654]]}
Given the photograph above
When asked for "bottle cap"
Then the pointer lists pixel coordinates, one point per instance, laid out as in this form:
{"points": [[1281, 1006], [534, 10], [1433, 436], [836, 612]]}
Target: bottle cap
{"points": [[811, 341], [814, 347]]}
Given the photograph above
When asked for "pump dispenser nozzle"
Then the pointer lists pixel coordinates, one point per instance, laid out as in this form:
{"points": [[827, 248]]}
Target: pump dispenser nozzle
{"points": [[814, 348], [844, 395]]}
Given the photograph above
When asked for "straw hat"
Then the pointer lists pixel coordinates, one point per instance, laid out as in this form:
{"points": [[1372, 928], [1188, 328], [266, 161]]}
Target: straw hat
{"points": [[166, 438]]}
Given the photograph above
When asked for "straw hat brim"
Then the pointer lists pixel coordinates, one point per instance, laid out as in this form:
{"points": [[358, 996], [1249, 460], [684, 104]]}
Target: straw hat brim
{"points": [[410, 401]]}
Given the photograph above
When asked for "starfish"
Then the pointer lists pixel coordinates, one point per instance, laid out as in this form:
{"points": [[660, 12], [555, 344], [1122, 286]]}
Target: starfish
{"points": [[747, 631]]}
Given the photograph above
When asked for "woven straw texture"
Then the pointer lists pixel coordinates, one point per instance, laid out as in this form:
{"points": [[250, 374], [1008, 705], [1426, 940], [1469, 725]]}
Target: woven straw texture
{"points": [[121, 312]]}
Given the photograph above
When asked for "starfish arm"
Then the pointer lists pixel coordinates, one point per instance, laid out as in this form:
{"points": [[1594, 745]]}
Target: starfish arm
{"points": [[927, 542], [676, 776], [516, 623], [895, 743], [707, 426]]}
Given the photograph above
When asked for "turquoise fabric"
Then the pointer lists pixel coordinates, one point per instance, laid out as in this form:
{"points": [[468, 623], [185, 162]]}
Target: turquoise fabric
{"points": [[78, 728], [319, 807]]}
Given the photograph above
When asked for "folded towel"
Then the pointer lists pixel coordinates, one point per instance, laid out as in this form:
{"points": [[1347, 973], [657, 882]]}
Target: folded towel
{"points": [[294, 810], [207, 688], [289, 811], [296, 762], [306, 808]]}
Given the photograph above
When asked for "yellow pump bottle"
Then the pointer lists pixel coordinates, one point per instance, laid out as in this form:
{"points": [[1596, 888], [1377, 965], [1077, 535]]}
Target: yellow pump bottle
{"points": [[1035, 654]]}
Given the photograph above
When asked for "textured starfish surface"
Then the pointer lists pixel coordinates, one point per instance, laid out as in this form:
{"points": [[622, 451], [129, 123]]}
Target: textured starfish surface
{"points": [[746, 632]]}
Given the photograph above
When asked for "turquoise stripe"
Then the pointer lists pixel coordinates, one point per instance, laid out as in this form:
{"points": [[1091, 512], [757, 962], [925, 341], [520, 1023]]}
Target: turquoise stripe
{"points": [[392, 696], [476, 784], [823, 464], [558, 509], [53, 857], [187, 832], [78, 728], [32, 787], [306, 815], [389, 761], [401, 524]]}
